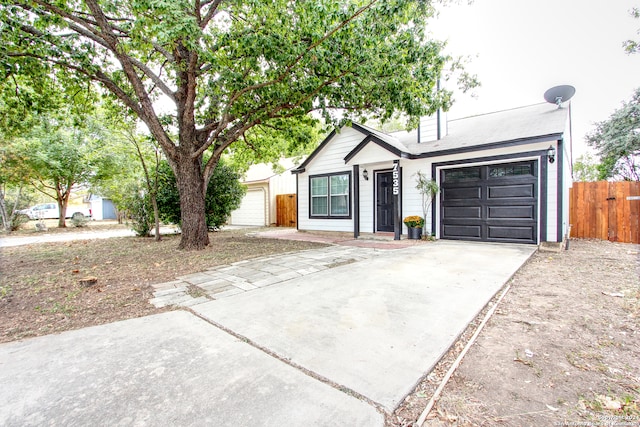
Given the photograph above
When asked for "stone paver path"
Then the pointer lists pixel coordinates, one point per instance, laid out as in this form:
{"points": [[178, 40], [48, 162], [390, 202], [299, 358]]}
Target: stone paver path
{"points": [[227, 280]]}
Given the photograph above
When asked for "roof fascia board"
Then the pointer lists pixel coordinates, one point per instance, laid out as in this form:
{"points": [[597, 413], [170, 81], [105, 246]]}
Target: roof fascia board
{"points": [[490, 146], [381, 143]]}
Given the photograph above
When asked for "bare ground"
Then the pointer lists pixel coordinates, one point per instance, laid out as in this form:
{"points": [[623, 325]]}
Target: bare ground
{"points": [[41, 293], [562, 348]]}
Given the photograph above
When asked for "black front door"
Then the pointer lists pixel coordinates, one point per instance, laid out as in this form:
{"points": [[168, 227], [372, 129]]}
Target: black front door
{"points": [[384, 201]]}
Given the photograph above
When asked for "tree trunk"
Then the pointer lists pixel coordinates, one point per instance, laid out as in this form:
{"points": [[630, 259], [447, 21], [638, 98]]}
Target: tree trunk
{"points": [[3, 213], [63, 201], [62, 208], [190, 180]]}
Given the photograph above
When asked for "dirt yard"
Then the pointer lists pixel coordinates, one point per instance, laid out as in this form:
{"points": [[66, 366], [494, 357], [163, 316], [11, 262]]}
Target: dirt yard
{"points": [[40, 290], [561, 349]]}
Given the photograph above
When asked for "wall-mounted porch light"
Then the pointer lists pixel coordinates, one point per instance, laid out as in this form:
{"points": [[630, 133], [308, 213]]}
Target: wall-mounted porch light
{"points": [[365, 175], [551, 154]]}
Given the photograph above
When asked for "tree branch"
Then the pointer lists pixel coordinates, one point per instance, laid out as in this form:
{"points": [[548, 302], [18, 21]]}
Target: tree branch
{"points": [[148, 113], [213, 10], [290, 67]]}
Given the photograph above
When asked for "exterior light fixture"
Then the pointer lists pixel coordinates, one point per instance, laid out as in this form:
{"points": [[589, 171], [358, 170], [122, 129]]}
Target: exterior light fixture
{"points": [[551, 154], [365, 175]]}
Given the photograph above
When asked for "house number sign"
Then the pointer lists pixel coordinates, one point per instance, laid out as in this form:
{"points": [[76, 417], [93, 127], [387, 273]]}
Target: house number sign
{"points": [[396, 179]]}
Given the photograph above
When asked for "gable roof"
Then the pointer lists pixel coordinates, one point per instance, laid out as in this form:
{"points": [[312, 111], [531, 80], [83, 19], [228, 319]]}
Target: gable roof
{"points": [[523, 125], [508, 127], [263, 172]]}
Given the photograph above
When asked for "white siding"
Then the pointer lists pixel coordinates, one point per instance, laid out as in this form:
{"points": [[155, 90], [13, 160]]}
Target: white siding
{"points": [[367, 203], [284, 183], [552, 199], [429, 127], [411, 198], [372, 153], [329, 160]]}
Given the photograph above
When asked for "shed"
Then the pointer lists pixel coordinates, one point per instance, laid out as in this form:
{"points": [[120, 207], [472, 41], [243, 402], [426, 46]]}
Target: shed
{"points": [[264, 183]]}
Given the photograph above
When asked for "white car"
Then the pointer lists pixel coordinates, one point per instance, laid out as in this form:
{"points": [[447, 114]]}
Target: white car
{"points": [[50, 211]]}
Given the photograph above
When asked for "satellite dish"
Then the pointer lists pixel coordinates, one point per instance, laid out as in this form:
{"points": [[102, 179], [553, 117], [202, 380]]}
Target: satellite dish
{"points": [[559, 94]]}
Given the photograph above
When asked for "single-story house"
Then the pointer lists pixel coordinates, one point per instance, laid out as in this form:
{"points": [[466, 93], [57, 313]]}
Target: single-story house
{"points": [[503, 177], [258, 206]]}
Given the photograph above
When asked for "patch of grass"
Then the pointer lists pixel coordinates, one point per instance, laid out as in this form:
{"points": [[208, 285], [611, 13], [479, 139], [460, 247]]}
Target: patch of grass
{"points": [[196, 291], [626, 405], [55, 307], [5, 291], [587, 361]]}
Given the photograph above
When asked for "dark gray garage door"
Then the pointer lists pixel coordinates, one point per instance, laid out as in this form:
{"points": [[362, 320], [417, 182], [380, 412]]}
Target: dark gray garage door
{"points": [[494, 203]]}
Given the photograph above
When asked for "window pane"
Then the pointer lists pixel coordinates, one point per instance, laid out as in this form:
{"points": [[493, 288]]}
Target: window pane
{"points": [[513, 170], [339, 205], [339, 184], [318, 205], [319, 186], [522, 170], [461, 174]]}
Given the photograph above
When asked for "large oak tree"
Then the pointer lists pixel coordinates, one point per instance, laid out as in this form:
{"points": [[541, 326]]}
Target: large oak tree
{"points": [[210, 71]]}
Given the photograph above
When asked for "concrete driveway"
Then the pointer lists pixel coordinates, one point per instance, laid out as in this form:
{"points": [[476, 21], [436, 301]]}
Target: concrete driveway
{"points": [[341, 346]]}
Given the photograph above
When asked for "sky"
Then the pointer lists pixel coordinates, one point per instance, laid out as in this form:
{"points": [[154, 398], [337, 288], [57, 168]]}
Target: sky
{"points": [[520, 48]]}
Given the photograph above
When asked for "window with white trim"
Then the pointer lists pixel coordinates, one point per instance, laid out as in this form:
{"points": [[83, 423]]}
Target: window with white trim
{"points": [[330, 196]]}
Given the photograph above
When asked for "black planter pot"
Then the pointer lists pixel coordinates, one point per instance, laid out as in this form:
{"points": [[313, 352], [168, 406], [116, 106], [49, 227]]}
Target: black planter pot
{"points": [[415, 233]]}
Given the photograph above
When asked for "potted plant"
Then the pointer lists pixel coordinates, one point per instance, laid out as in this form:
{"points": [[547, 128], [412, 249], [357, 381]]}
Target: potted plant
{"points": [[414, 224]]}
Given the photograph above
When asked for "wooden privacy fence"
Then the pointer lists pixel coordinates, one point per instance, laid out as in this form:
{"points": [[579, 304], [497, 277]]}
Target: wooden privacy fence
{"points": [[286, 210], [605, 210]]}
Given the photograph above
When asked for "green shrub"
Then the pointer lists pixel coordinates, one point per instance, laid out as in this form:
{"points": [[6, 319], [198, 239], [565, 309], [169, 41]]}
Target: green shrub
{"points": [[224, 194], [16, 221], [79, 220], [140, 212]]}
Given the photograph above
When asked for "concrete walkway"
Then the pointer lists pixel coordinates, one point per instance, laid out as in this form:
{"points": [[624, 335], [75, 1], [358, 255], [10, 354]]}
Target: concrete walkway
{"points": [[342, 345], [228, 280]]}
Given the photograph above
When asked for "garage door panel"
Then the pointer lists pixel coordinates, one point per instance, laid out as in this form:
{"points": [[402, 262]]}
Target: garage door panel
{"points": [[474, 212], [511, 191], [498, 204], [511, 233], [511, 212], [251, 210], [462, 193], [463, 231]]}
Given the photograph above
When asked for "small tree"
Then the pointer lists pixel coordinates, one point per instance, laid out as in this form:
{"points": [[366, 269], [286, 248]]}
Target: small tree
{"points": [[586, 168], [428, 189]]}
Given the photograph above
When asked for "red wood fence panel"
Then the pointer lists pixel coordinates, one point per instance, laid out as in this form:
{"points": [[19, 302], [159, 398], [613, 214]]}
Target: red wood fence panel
{"points": [[286, 210], [605, 210]]}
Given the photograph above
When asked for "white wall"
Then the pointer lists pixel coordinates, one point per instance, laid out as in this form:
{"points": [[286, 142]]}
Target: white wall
{"points": [[284, 183], [329, 160], [411, 199]]}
